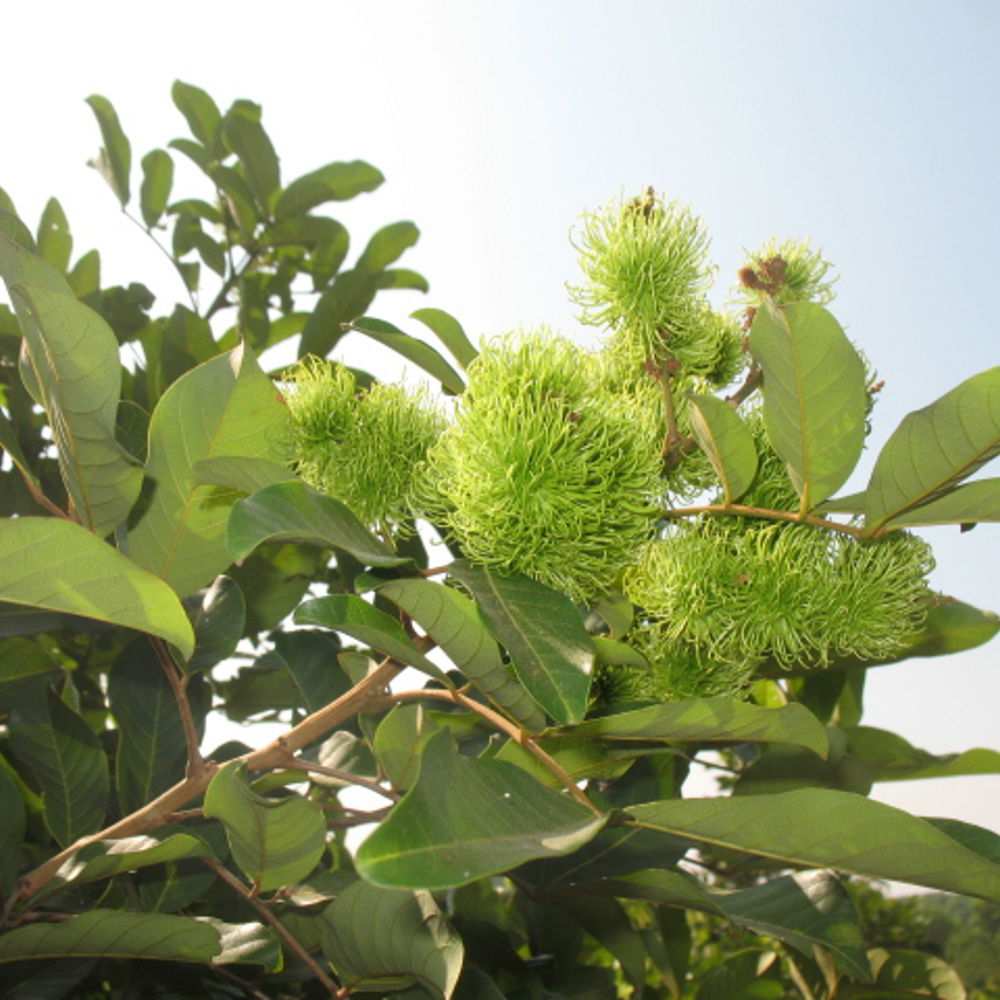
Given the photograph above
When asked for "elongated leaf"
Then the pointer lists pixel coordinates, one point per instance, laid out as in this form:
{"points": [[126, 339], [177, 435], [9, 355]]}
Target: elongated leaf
{"points": [[73, 358], [965, 504], [894, 759], [387, 246], [342, 302], [248, 475], [412, 349], [402, 277], [465, 819], [311, 659], [449, 331], [247, 139], [105, 858], [115, 934], [13, 818], [398, 742], [274, 841], [157, 179], [901, 973], [814, 396], [726, 441], [224, 407], [333, 182], [382, 939], [550, 649], [114, 162], [357, 618], [218, 616], [65, 757], [820, 827], [712, 720], [293, 512], [579, 757], [49, 563], [934, 448], [55, 243], [200, 111], [453, 622]]}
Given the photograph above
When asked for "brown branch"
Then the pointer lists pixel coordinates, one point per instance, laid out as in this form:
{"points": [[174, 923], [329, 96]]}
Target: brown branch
{"points": [[723, 510], [517, 734], [298, 764], [276, 754], [268, 917], [750, 385], [178, 684]]}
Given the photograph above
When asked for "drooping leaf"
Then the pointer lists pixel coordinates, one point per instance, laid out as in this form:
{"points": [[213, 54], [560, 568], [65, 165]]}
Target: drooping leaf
{"points": [[292, 511], [412, 349], [118, 934], [449, 331], [55, 243], [454, 623], [66, 759], [114, 162], [333, 182], [387, 246], [935, 448], [402, 277], [104, 858], [151, 749], [901, 973], [200, 111], [218, 616], [224, 407], [73, 358], [275, 841], [253, 148], [342, 302], [357, 618], [814, 396], [383, 939], [895, 759], [49, 563], [549, 647], [820, 827], [726, 441], [157, 180], [465, 819], [969, 503], [712, 720]]}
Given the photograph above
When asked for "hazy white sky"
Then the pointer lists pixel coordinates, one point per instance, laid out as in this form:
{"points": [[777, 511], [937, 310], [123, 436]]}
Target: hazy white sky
{"points": [[869, 125]]}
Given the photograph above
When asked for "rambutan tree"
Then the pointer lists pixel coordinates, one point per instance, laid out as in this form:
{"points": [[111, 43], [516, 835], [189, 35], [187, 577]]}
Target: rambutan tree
{"points": [[608, 565]]}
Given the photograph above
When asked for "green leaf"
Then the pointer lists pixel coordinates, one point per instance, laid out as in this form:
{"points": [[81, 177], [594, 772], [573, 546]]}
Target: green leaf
{"points": [[49, 563], [247, 475], [345, 300], [814, 396], [387, 246], [85, 277], [357, 618], [157, 180], [449, 331], [894, 759], [115, 934], [579, 757], [275, 841], [454, 623], [399, 740], [549, 647], [293, 512], [712, 720], [903, 973], [224, 407], [105, 858], [114, 162], [383, 939], [13, 818], [969, 503], [465, 819], [412, 349], [333, 182], [54, 241], [820, 827], [73, 356], [200, 111], [151, 749], [727, 442], [247, 139], [311, 659], [218, 616], [64, 755], [402, 277], [934, 448]]}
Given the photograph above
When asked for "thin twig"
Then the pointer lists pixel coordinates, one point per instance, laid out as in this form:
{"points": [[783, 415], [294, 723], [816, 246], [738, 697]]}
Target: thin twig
{"points": [[435, 570], [265, 913], [166, 253], [195, 761], [517, 734], [750, 385], [252, 991], [298, 764], [724, 510]]}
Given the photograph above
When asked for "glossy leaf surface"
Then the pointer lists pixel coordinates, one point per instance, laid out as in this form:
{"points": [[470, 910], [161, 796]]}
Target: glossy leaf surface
{"points": [[726, 441], [814, 396], [550, 649], [465, 819]]}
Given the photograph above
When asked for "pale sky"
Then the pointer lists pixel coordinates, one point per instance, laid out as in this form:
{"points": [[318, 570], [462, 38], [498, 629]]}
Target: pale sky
{"points": [[868, 125]]}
